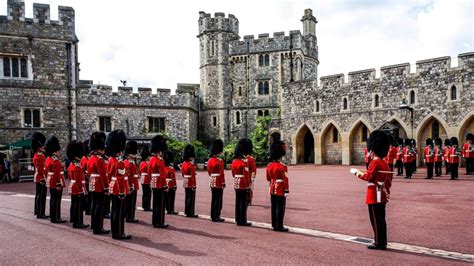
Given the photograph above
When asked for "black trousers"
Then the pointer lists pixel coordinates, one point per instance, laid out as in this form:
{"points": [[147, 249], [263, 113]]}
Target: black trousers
{"points": [[448, 168], [366, 166], [131, 205], [408, 170], [40, 199], [77, 215], [216, 202], [86, 201], [454, 170], [429, 169], [158, 217], [146, 197], [278, 210], [55, 204], [97, 211], [117, 216], [106, 205], [399, 165], [438, 168], [469, 166], [241, 206], [379, 225], [414, 167], [170, 197], [189, 201]]}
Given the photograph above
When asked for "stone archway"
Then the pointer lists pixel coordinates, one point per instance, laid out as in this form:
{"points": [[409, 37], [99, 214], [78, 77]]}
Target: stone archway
{"points": [[357, 142], [466, 127], [304, 145], [431, 128], [331, 145]]}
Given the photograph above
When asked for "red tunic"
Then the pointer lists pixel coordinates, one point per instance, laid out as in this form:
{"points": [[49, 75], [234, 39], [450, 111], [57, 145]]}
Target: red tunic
{"points": [[367, 156], [399, 153], [170, 175], [77, 183], [189, 174], [83, 163], [215, 169], [252, 167], [377, 182], [438, 155], [38, 161], [132, 174], [143, 170], [97, 169], [428, 153], [468, 150], [240, 172], [118, 177], [277, 175], [55, 172], [408, 155], [156, 171], [454, 155], [391, 155]]}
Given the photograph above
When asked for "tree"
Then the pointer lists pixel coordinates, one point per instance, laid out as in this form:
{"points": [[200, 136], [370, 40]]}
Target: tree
{"points": [[259, 139]]}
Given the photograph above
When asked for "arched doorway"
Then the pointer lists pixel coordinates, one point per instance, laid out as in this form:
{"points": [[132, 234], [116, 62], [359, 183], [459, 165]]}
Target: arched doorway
{"points": [[432, 128], [401, 131], [332, 145], [358, 141], [304, 145], [467, 127]]}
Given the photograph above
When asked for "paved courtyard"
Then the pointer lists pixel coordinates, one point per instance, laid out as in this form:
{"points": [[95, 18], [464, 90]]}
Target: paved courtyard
{"points": [[429, 222]]}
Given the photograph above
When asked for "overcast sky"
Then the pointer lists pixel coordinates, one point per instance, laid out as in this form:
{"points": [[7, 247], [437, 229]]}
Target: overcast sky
{"points": [[153, 43]]}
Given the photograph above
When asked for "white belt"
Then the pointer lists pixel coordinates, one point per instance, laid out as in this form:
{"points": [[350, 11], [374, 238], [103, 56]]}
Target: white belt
{"points": [[114, 178], [187, 176], [454, 155], [121, 171], [169, 179], [155, 175], [50, 173], [215, 175], [83, 181], [143, 174], [125, 178], [370, 184], [278, 180], [73, 181], [135, 176], [95, 175], [246, 169], [238, 176]]}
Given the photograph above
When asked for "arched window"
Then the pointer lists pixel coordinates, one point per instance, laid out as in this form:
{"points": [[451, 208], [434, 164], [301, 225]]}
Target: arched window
{"points": [[317, 106], [365, 132], [240, 91], [454, 93], [376, 100], [435, 130], [267, 60], [260, 87], [266, 87], [335, 135], [412, 97], [260, 113], [261, 60], [344, 104], [237, 118], [266, 113]]}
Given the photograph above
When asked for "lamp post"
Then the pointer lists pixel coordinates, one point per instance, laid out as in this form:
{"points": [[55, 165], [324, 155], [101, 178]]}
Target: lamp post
{"points": [[405, 106]]}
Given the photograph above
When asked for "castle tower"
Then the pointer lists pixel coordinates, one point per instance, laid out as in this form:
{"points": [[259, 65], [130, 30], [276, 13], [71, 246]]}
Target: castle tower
{"points": [[309, 34], [215, 35]]}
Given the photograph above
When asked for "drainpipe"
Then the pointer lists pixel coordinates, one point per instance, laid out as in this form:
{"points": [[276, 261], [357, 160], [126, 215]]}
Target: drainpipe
{"points": [[69, 89]]}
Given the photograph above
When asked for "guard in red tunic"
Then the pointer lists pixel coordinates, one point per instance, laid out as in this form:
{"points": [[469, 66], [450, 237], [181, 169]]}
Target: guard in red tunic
{"points": [[118, 186], [77, 183], [98, 182], [215, 169], [55, 178], [438, 157], [367, 158], [454, 158], [277, 175], [37, 145], [408, 158], [429, 156], [414, 165], [253, 172], [170, 175], [156, 170], [86, 198], [143, 170], [130, 155], [446, 149], [399, 158], [378, 187], [392, 153], [188, 170], [468, 153], [241, 173]]}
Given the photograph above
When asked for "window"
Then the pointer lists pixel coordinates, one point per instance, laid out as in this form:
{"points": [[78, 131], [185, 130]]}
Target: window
{"points": [[259, 113], [376, 101], [15, 67], [260, 60], [412, 97], [335, 135], [266, 113], [263, 88], [317, 107], [237, 118], [267, 60], [435, 130], [240, 91], [454, 93], [365, 133], [31, 118], [264, 60], [156, 124], [214, 121], [105, 123], [344, 104]]}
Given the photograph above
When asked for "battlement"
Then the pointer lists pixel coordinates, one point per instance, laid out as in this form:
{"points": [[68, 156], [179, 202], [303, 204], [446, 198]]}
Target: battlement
{"points": [[41, 25], [219, 22]]}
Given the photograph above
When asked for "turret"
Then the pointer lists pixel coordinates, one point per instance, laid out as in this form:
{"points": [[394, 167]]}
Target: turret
{"points": [[309, 23]]}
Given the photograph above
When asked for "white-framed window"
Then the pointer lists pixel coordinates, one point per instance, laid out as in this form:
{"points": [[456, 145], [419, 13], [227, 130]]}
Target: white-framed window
{"points": [[156, 124], [214, 121], [14, 67], [238, 119], [31, 117], [263, 113], [263, 60], [105, 123], [263, 87]]}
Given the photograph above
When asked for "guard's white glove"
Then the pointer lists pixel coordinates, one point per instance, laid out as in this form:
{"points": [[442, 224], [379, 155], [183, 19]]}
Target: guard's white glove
{"points": [[353, 171]]}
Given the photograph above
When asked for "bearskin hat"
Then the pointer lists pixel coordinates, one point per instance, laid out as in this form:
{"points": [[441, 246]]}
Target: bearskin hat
{"points": [[277, 150], [447, 142], [250, 146], [158, 143], [438, 142], [378, 143], [469, 136], [407, 142], [217, 146], [400, 141], [97, 141], [52, 145], [131, 147], [241, 149], [168, 157], [429, 142], [145, 153], [115, 142], [454, 141], [188, 152], [75, 150], [37, 141], [86, 147], [413, 142]]}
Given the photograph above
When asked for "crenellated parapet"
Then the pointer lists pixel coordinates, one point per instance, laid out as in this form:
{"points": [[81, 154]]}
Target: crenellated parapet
{"points": [[41, 25], [219, 22]]}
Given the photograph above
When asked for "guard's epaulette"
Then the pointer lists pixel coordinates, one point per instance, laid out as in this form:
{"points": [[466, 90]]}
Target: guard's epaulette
{"points": [[283, 163]]}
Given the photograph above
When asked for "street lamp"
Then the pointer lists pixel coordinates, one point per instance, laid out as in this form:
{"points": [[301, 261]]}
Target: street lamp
{"points": [[405, 106]]}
